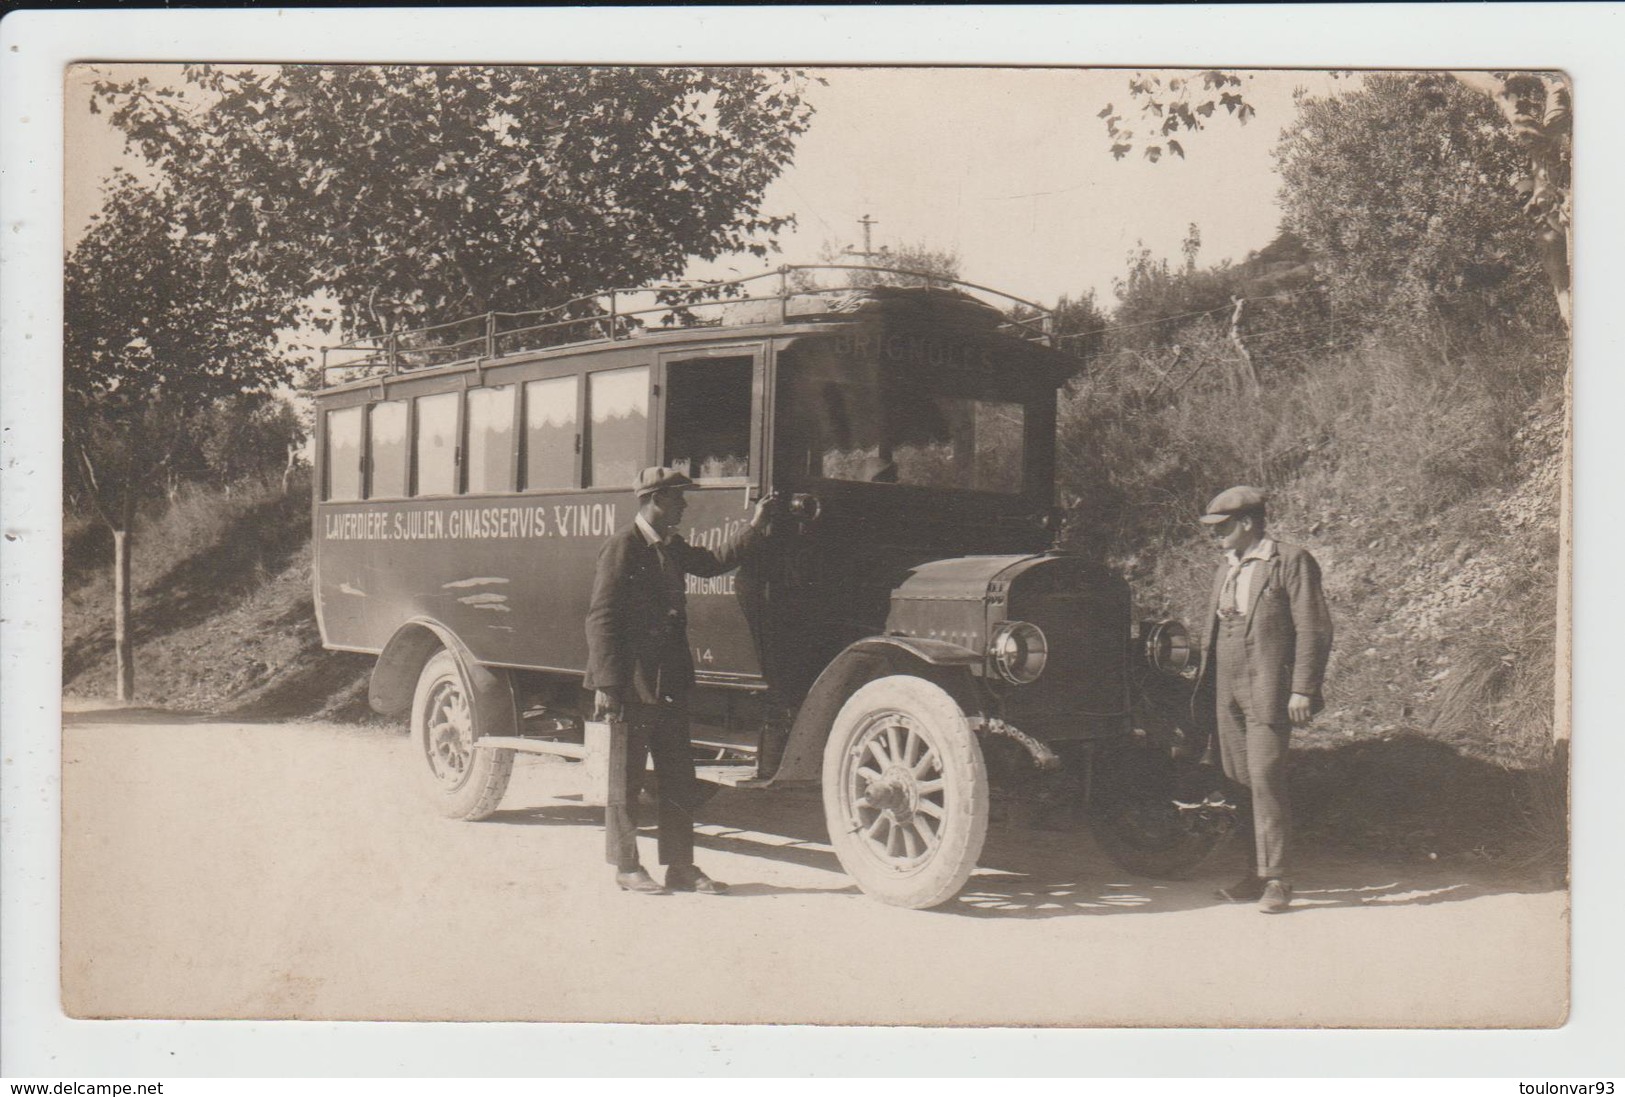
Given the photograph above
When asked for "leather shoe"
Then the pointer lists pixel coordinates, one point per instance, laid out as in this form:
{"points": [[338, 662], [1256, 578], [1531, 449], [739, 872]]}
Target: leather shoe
{"points": [[1277, 897], [638, 880], [689, 878], [1248, 889]]}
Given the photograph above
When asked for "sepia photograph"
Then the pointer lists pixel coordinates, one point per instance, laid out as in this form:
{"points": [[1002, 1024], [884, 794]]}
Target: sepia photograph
{"points": [[946, 546], [460, 475]]}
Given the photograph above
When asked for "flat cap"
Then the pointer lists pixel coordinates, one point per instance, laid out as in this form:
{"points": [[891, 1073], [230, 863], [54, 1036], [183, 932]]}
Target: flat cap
{"points": [[654, 479], [1233, 501]]}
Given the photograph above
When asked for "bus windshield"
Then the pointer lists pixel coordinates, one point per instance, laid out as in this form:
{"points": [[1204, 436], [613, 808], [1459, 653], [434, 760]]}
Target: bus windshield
{"points": [[900, 411]]}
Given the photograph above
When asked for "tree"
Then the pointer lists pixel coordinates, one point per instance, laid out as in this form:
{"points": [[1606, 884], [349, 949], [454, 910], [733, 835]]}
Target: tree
{"points": [[246, 435], [1404, 190], [1080, 326], [399, 195], [1538, 107], [154, 332], [418, 194], [918, 257]]}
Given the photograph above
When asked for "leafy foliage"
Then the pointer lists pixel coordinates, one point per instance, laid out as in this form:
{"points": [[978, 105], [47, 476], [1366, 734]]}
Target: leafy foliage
{"points": [[415, 194], [157, 328], [155, 331], [1404, 191], [1080, 325], [1537, 106], [1175, 325], [243, 436], [919, 256], [1167, 106]]}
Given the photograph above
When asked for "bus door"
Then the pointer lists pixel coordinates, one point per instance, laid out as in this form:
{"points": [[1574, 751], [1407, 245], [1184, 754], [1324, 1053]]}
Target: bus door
{"points": [[710, 429]]}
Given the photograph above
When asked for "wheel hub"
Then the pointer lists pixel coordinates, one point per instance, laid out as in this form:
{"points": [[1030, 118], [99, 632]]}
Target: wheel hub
{"points": [[896, 792], [451, 734], [897, 789]]}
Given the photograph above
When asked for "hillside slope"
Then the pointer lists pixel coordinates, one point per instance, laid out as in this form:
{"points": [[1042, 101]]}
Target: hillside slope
{"points": [[224, 619]]}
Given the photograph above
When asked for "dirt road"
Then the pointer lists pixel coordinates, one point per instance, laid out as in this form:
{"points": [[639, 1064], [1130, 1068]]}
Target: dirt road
{"points": [[213, 869]]}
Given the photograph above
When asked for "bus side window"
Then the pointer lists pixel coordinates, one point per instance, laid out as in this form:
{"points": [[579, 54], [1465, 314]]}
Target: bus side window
{"points": [[619, 433], [386, 440], [344, 454], [490, 439], [435, 452], [550, 433], [708, 417]]}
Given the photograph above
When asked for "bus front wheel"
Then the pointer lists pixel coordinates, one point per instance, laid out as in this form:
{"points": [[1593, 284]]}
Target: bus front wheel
{"points": [[905, 792]]}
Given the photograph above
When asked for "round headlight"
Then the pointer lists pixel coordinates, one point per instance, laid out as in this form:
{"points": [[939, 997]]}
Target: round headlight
{"points": [[1019, 651], [1167, 645]]}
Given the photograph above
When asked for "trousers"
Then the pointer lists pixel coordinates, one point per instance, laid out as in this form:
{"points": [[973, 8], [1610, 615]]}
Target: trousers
{"points": [[659, 730], [1253, 753]]}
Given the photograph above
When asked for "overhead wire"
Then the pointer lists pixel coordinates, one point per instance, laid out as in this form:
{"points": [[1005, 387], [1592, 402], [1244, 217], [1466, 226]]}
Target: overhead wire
{"points": [[1176, 316], [1306, 326]]}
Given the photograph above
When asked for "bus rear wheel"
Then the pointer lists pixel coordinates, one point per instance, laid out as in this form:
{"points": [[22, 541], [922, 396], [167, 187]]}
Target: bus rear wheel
{"points": [[1147, 813], [905, 792], [462, 781]]}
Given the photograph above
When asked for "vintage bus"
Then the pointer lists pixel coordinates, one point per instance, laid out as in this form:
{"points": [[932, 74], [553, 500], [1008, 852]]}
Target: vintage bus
{"points": [[909, 638]]}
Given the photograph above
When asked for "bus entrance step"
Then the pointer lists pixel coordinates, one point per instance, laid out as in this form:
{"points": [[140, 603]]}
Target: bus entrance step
{"points": [[732, 776]]}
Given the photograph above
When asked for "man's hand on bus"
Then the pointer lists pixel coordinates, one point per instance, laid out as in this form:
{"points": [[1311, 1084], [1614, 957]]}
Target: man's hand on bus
{"points": [[764, 510], [606, 704]]}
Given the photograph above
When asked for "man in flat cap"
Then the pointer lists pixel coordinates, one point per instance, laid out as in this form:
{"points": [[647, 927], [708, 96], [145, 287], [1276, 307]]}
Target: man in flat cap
{"points": [[1269, 636], [641, 669]]}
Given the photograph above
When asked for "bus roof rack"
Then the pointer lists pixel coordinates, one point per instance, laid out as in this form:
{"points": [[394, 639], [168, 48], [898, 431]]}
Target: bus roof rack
{"points": [[794, 295]]}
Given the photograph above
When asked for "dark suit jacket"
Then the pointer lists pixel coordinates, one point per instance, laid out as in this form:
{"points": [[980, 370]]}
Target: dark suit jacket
{"points": [[637, 624], [1289, 633]]}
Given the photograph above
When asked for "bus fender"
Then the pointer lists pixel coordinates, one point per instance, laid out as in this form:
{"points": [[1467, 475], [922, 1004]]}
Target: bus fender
{"points": [[395, 677], [947, 664]]}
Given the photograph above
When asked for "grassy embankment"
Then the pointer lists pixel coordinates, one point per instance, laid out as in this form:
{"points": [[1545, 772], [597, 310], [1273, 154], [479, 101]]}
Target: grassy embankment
{"points": [[223, 618], [1426, 482]]}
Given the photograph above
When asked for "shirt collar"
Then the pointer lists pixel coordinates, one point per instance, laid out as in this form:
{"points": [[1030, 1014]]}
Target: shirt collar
{"points": [[650, 537], [1261, 551]]}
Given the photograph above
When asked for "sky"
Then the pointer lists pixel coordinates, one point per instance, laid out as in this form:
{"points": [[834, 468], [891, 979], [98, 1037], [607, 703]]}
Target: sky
{"points": [[1007, 167], [1010, 168]]}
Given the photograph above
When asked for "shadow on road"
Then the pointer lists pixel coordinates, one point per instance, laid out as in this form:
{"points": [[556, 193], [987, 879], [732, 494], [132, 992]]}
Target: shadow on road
{"points": [[141, 714], [711, 836], [554, 815], [748, 889], [1035, 874]]}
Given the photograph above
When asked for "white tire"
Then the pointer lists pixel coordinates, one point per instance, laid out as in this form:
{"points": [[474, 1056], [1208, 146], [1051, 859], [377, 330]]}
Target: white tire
{"points": [[905, 792]]}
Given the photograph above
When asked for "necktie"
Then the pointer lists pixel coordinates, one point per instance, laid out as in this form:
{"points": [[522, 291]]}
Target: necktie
{"points": [[1227, 594], [671, 582]]}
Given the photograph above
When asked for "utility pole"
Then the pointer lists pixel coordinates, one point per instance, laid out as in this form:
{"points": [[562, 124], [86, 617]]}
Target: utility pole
{"points": [[868, 253]]}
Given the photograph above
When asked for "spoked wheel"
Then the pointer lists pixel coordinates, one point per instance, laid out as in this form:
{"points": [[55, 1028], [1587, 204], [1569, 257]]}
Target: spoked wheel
{"points": [[462, 782], [905, 792]]}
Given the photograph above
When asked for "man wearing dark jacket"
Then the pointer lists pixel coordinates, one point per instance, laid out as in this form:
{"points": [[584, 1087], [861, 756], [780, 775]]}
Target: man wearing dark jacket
{"points": [[641, 669], [1269, 637]]}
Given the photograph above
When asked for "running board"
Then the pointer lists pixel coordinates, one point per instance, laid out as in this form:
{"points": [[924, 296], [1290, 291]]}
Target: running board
{"points": [[732, 776], [531, 746]]}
